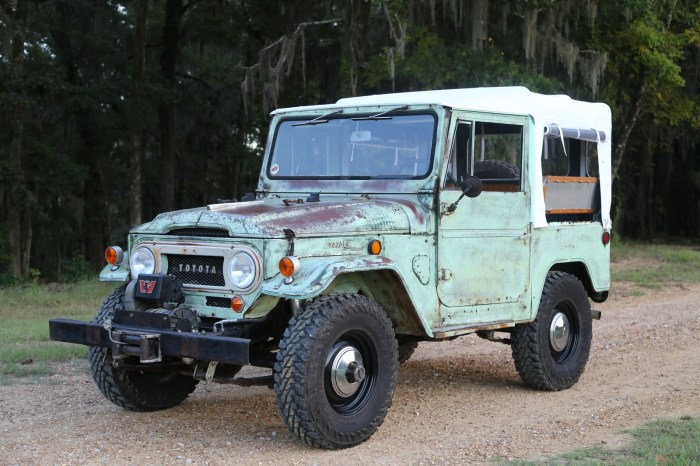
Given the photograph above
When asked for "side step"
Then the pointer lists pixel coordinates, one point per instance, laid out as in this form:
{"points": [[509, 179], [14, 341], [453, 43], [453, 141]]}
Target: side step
{"points": [[456, 330]]}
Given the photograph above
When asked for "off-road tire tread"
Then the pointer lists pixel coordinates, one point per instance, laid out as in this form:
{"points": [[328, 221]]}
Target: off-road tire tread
{"points": [[525, 340], [406, 350], [117, 385], [296, 347]]}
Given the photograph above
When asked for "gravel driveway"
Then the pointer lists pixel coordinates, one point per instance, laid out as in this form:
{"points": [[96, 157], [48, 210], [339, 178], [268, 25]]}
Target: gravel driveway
{"points": [[456, 402]]}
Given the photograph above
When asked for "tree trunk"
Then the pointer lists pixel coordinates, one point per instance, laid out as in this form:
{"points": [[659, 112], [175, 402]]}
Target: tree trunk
{"points": [[356, 16], [480, 18], [19, 212], [168, 65], [628, 126], [136, 111]]}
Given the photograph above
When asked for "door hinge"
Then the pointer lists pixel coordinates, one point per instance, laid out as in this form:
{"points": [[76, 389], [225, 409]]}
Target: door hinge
{"points": [[444, 210], [445, 274]]}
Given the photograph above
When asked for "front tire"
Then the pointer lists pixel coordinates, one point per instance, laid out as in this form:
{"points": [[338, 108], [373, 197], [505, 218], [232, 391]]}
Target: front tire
{"points": [[131, 389], [336, 371], [551, 352]]}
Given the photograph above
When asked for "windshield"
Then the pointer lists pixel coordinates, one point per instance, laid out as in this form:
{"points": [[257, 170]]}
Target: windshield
{"points": [[396, 146]]}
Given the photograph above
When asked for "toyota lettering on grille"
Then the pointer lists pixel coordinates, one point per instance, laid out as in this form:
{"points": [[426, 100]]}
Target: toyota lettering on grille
{"points": [[197, 268]]}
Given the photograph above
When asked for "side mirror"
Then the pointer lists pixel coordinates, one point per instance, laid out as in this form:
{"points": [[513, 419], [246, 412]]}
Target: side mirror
{"points": [[472, 186]]}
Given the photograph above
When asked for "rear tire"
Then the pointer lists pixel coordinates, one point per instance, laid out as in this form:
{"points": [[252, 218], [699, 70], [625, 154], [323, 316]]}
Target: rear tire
{"points": [[336, 371], [551, 352], [131, 389]]}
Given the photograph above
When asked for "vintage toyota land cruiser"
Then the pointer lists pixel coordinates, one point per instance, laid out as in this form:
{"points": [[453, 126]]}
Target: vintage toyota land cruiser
{"points": [[377, 222]]}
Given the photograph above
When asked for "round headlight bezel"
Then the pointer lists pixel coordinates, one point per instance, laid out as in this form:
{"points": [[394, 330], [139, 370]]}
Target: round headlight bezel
{"points": [[136, 261], [252, 273]]}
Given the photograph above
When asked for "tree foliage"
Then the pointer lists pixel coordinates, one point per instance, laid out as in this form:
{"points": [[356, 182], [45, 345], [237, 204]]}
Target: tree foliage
{"points": [[94, 92]]}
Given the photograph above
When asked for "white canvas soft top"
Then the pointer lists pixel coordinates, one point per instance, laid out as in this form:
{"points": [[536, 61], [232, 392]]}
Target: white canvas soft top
{"points": [[546, 110]]}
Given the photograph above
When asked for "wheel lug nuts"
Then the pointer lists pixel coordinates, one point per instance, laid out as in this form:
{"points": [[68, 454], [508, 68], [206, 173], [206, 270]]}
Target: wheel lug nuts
{"points": [[355, 373]]}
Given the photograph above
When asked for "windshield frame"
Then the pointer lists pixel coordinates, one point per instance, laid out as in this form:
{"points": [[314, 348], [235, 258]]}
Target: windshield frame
{"points": [[364, 115]]}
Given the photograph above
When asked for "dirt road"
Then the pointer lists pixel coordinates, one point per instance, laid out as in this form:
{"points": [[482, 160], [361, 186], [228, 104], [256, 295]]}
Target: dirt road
{"points": [[456, 402]]}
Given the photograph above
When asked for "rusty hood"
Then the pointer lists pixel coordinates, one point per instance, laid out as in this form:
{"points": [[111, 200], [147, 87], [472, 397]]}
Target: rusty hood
{"points": [[268, 218]]}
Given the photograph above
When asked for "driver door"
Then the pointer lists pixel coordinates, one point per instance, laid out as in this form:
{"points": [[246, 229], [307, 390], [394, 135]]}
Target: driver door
{"points": [[484, 244]]}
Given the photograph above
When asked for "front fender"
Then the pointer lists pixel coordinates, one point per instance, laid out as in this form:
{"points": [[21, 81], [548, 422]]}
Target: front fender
{"points": [[317, 273], [116, 273]]}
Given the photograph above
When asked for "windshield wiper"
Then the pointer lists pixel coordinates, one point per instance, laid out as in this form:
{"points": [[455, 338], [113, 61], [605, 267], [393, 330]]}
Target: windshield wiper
{"points": [[382, 115], [319, 119]]}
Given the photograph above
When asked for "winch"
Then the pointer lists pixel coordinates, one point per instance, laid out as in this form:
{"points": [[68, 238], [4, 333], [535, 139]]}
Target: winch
{"points": [[147, 345]]}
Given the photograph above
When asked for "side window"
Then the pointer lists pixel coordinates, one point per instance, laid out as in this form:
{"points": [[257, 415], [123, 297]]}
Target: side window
{"points": [[570, 157], [498, 156], [569, 170], [555, 157], [458, 168], [590, 151]]}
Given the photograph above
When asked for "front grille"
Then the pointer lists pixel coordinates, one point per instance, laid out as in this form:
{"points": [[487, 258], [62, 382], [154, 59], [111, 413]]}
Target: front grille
{"points": [[200, 232], [215, 301], [197, 270]]}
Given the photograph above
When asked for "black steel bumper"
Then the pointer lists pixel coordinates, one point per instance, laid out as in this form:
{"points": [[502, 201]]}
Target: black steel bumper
{"points": [[175, 344]]}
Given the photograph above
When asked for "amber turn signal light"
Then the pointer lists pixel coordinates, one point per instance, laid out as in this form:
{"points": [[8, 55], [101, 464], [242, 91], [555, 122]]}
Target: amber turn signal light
{"points": [[289, 265], [114, 255], [375, 247], [237, 303]]}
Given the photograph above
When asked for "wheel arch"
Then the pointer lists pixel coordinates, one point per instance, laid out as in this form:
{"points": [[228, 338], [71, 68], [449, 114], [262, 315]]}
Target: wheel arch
{"points": [[386, 287], [580, 270], [376, 277]]}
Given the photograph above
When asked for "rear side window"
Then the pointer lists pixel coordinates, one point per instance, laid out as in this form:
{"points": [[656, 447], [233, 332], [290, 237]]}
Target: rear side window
{"points": [[570, 179], [569, 157]]}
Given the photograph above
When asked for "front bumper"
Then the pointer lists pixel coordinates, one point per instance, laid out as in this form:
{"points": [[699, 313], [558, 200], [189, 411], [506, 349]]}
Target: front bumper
{"points": [[198, 346]]}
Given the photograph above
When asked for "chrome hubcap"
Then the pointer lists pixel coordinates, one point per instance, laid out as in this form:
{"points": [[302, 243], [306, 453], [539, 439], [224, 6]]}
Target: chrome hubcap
{"points": [[559, 331], [347, 371]]}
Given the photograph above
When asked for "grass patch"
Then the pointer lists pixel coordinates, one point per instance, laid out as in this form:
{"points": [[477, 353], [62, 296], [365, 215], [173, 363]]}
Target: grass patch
{"points": [[655, 266], [25, 347], [661, 442]]}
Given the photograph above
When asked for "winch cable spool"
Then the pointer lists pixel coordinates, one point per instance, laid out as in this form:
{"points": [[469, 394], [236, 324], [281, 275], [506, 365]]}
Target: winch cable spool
{"points": [[182, 319]]}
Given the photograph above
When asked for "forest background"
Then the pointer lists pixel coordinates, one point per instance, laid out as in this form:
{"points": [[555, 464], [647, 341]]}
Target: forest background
{"points": [[114, 111]]}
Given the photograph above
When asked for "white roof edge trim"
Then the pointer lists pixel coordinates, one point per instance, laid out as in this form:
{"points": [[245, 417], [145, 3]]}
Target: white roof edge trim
{"points": [[560, 109]]}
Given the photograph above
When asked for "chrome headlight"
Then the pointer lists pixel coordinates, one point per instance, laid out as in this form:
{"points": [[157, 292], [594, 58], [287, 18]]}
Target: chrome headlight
{"points": [[241, 270], [142, 261]]}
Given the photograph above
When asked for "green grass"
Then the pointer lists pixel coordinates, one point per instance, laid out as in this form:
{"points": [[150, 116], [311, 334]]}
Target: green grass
{"points": [[25, 348], [655, 266], [658, 443]]}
